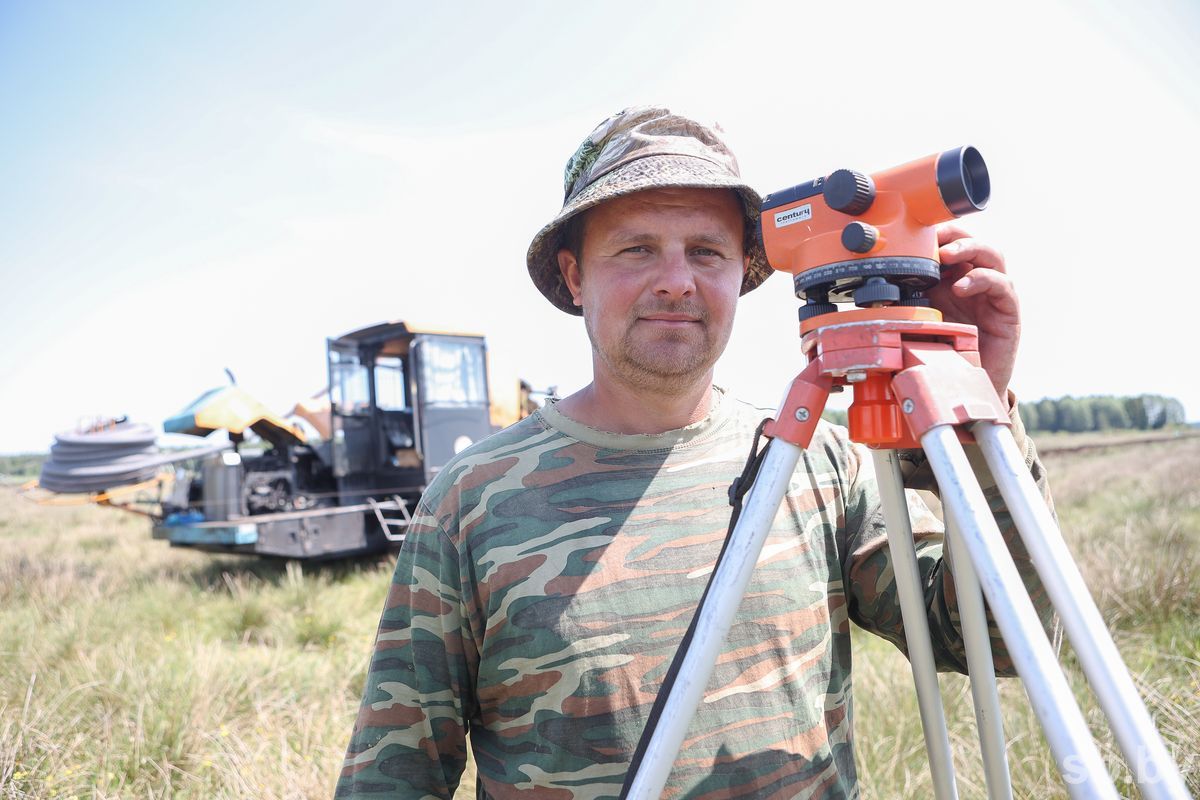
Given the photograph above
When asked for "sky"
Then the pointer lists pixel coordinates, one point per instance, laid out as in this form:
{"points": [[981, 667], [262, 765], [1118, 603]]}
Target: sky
{"points": [[186, 188]]}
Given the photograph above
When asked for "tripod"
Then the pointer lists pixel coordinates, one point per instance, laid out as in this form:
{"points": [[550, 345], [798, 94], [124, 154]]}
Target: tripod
{"points": [[918, 382]]}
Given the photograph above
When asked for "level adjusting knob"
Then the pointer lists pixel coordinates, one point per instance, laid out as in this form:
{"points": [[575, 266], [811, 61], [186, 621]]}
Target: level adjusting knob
{"points": [[876, 291], [849, 192], [916, 300], [815, 308], [859, 237]]}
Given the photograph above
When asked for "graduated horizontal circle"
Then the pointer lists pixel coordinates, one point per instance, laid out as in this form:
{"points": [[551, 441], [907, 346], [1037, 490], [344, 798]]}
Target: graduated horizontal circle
{"points": [[840, 280]]}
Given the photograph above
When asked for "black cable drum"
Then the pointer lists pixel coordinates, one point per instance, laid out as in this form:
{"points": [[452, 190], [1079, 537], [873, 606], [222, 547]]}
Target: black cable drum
{"points": [[120, 455]]}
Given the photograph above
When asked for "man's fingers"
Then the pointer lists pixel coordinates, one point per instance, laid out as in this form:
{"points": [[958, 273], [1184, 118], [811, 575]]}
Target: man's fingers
{"points": [[961, 251], [949, 232], [997, 286]]}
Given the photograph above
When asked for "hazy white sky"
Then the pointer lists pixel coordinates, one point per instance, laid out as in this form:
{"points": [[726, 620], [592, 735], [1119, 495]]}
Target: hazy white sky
{"points": [[188, 187]]}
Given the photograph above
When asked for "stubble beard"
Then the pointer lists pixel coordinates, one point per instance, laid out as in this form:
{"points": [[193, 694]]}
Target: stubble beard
{"points": [[668, 362]]}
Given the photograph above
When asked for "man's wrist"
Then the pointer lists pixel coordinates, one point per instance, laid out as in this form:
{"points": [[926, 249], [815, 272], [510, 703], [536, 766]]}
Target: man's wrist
{"points": [[1007, 399]]}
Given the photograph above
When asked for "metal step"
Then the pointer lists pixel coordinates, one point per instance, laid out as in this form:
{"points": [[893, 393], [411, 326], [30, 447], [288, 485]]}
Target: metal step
{"points": [[392, 527]]}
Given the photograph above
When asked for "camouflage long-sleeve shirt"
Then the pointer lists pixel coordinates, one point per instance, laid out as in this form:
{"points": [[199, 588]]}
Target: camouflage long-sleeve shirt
{"points": [[546, 581]]}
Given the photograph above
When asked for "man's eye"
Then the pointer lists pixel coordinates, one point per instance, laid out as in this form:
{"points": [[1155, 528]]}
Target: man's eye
{"points": [[637, 248], [705, 252]]}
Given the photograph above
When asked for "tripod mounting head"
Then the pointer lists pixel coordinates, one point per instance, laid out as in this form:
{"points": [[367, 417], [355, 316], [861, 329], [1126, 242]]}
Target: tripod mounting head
{"points": [[869, 239]]}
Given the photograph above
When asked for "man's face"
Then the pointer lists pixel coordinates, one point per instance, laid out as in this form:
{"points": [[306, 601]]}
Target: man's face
{"points": [[658, 282]]}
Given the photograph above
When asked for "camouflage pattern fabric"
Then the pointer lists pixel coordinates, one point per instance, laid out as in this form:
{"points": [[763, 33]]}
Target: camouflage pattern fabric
{"points": [[550, 573]]}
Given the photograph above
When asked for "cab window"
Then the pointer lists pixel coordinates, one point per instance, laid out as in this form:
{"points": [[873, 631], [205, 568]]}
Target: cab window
{"points": [[452, 373], [349, 389], [389, 384]]}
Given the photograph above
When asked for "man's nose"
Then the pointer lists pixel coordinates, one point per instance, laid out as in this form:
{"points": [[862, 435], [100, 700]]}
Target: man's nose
{"points": [[674, 277]]}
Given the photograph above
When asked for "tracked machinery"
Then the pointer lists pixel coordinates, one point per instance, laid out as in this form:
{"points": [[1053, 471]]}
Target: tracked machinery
{"points": [[400, 403]]}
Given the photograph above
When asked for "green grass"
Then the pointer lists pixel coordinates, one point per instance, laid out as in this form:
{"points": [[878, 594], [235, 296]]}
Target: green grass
{"points": [[131, 669]]}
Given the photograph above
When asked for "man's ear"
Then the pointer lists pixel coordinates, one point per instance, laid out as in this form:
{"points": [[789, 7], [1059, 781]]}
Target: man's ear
{"points": [[568, 265]]}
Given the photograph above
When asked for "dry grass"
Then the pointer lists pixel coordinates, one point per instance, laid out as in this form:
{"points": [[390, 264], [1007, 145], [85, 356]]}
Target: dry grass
{"points": [[1051, 441], [130, 669], [1131, 517]]}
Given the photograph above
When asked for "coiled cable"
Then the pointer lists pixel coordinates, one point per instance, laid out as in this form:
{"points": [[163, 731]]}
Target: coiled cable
{"points": [[118, 454]]}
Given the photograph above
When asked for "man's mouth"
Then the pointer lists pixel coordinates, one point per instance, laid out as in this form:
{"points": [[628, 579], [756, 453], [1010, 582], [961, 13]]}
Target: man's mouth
{"points": [[671, 320]]}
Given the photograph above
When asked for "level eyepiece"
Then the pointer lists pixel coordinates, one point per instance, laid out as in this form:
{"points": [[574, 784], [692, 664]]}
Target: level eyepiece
{"points": [[962, 179]]}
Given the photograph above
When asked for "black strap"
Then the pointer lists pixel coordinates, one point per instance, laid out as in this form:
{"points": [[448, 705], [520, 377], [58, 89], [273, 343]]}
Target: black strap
{"points": [[742, 483], [737, 492]]}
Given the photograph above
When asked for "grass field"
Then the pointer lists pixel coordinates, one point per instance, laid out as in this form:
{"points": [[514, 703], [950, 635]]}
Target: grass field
{"points": [[129, 669]]}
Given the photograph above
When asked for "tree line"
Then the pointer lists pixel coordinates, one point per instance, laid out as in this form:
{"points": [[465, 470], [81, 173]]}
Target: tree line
{"points": [[1104, 412]]}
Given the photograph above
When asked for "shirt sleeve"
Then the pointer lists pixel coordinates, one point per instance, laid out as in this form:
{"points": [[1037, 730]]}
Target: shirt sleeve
{"points": [[409, 740], [867, 568]]}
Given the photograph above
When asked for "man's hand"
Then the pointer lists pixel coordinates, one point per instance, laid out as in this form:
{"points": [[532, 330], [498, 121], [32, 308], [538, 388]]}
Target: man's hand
{"points": [[975, 289]]}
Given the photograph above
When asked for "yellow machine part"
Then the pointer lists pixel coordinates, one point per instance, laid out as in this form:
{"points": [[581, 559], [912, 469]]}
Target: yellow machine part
{"points": [[232, 409]]}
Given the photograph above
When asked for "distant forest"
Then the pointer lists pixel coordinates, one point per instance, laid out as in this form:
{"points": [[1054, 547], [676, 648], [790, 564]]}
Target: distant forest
{"points": [[1102, 412], [21, 466], [1143, 412]]}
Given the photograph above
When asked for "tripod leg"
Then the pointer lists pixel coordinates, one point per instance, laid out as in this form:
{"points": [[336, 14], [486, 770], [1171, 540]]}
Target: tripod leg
{"points": [[979, 665], [1050, 696], [1155, 771], [714, 618], [916, 621]]}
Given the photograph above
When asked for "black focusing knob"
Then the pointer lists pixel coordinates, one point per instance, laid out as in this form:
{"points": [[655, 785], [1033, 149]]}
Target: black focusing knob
{"points": [[849, 192], [859, 237]]}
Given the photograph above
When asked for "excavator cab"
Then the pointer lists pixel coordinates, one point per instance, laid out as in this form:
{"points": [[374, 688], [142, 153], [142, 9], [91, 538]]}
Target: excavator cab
{"points": [[403, 402]]}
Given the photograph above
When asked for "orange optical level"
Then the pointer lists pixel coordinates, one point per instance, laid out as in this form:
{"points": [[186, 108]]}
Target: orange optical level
{"points": [[869, 239]]}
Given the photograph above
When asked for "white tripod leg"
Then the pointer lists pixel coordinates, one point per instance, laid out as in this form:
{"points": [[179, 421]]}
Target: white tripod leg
{"points": [[982, 672], [916, 621], [715, 617], [1049, 694], [1156, 773]]}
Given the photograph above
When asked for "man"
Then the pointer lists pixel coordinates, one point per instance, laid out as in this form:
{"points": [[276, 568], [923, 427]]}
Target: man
{"points": [[552, 569]]}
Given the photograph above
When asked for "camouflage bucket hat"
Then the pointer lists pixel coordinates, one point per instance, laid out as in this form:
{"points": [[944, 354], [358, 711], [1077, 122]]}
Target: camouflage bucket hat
{"points": [[635, 149]]}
